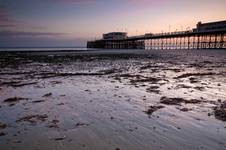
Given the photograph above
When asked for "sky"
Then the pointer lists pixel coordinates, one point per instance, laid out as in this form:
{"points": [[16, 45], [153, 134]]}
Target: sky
{"points": [[53, 23]]}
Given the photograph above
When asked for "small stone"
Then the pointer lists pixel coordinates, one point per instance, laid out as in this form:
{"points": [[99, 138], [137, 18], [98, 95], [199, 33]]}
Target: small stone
{"points": [[47, 95], [2, 134]]}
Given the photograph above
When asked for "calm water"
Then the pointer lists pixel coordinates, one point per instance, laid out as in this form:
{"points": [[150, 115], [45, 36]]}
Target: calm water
{"points": [[45, 49]]}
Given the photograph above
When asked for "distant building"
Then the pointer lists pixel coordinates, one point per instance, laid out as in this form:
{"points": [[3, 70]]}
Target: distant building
{"points": [[115, 36], [211, 26]]}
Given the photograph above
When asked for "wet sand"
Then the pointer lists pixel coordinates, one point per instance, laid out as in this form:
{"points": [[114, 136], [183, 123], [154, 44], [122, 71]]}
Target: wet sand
{"points": [[113, 100]]}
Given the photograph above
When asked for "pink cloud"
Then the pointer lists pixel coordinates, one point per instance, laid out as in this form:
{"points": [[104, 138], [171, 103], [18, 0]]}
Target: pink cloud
{"points": [[146, 2], [141, 1]]}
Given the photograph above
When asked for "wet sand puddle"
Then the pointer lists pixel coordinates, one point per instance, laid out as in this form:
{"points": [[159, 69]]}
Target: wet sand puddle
{"points": [[151, 100]]}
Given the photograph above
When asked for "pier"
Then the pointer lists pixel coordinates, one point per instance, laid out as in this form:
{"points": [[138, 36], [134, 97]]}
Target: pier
{"points": [[204, 36]]}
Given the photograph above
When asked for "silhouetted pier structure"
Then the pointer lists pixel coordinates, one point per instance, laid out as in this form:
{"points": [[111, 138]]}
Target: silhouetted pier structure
{"points": [[205, 36]]}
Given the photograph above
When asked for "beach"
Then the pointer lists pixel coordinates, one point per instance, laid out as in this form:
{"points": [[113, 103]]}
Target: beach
{"points": [[113, 100]]}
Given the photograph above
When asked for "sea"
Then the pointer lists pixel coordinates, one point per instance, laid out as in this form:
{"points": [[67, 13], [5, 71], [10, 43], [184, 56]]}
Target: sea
{"points": [[35, 49]]}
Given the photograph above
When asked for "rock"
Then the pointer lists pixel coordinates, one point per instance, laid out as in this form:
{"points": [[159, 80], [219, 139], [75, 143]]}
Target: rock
{"points": [[146, 79], [194, 74], [171, 101], [53, 124], [2, 134], [152, 109], [183, 86], [185, 109], [14, 99], [38, 101], [33, 118], [177, 101], [220, 111], [80, 124], [47, 95], [199, 88], [2, 126], [60, 138]]}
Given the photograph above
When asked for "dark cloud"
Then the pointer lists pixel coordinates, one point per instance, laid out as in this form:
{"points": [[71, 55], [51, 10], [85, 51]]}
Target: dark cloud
{"points": [[5, 19], [43, 41], [75, 1], [3, 16], [6, 11], [19, 34], [9, 22]]}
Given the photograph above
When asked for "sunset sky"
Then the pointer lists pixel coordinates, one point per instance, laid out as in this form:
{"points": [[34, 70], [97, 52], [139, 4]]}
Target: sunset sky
{"points": [[31, 23]]}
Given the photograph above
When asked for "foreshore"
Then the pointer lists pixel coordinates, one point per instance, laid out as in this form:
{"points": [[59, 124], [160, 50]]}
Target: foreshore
{"points": [[113, 99]]}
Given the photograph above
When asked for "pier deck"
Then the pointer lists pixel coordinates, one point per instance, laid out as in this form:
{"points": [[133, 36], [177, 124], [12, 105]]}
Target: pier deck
{"points": [[190, 39]]}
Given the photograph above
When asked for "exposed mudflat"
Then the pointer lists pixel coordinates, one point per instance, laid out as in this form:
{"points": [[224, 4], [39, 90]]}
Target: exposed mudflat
{"points": [[113, 100]]}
